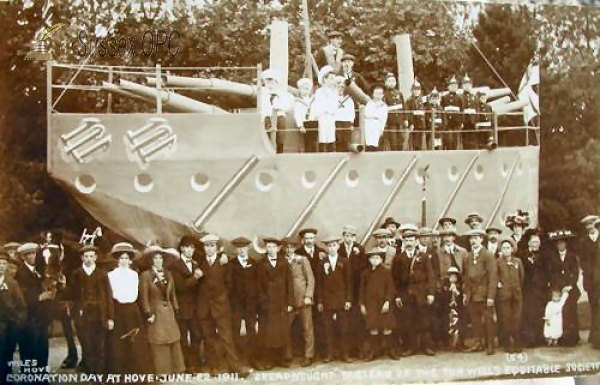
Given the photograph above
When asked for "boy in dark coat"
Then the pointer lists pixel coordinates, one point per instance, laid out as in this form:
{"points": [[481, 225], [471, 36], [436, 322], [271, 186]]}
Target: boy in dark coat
{"points": [[93, 310], [334, 295], [377, 293], [275, 302]]}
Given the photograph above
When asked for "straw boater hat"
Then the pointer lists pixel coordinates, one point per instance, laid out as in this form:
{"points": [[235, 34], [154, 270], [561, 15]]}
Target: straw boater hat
{"points": [[12, 246], [453, 270], [410, 233], [123, 248], [209, 238], [588, 219], [490, 229]]}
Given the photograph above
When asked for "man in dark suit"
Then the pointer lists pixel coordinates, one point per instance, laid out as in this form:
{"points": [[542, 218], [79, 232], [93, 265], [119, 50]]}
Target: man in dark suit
{"points": [[13, 312], [186, 276], [354, 253], [332, 53], [334, 294], [451, 103], [93, 310], [213, 309], [33, 339], [244, 301], [589, 254], [415, 289], [275, 303], [493, 234], [480, 286]]}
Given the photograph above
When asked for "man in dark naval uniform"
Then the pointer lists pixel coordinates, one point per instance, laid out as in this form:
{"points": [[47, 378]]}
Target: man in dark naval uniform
{"points": [[332, 53], [451, 103], [416, 118], [392, 135], [484, 120], [469, 108]]}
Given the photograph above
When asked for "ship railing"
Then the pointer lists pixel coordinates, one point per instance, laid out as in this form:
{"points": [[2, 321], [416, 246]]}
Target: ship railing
{"points": [[146, 84]]}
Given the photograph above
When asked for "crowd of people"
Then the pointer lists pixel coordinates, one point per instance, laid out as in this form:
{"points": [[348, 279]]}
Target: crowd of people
{"points": [[326, 118], [197, 308]]}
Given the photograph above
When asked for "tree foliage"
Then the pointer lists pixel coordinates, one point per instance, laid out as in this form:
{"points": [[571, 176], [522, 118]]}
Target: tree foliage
{"points": [[236, 33]]}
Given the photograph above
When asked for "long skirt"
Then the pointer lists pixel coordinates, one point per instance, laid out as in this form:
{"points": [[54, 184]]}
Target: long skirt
{"points": [[130, 344], [167, 358]]}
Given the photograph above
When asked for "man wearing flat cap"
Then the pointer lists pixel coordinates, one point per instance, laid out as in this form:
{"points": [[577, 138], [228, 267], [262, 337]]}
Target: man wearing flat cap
{"points": [[275, 303], [415, 293], [213, 309], [33, 340], [563, 271], [480, 286], [186, 275], [352, 252], [352, 76], [309, 247], [93, 310], [493, 234], [589, 254], [382, 245], [13, 312], [332, 53], [303, 283], [244, 297], [334, 295]]}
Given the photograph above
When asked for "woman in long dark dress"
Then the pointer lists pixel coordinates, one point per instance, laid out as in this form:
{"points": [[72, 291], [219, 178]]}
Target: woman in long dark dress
{"points": [[129, 344], [564, 273], [159, 305], [536, 290]]}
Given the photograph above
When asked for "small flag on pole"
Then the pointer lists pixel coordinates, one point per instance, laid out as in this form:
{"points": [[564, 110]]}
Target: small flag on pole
{"points": [[528, 94]]}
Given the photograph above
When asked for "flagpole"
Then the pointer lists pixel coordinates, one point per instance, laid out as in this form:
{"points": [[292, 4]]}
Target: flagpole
{"points": [[308, 51]]}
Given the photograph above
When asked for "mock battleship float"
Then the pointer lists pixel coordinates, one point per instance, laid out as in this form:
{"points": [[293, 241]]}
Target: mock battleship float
{"points": [[191, 166]]}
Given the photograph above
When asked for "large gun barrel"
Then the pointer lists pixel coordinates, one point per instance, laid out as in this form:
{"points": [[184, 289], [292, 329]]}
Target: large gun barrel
{"points": [[208, 84], [170, 99], [510, 107]]}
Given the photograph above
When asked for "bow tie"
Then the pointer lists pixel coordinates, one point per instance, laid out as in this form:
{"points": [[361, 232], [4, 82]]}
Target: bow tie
{"points": [[272, 258]]}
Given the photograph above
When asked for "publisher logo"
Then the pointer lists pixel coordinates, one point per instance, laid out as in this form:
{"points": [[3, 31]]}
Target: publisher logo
{"points": [[40, 51]]}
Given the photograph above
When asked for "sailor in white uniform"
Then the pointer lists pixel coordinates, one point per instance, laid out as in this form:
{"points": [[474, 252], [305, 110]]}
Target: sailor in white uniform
{"points": [[324, 109], [376, 114]]}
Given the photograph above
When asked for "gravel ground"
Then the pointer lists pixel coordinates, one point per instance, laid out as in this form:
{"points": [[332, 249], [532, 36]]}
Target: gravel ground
{"points": [[444, 367]]}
